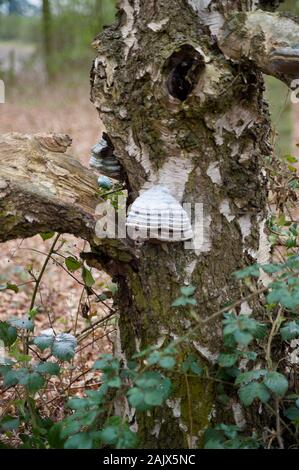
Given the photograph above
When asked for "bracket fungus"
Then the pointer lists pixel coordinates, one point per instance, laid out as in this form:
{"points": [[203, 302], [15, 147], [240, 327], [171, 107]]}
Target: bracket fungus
{"points": [[157, 215], [103, 159]]}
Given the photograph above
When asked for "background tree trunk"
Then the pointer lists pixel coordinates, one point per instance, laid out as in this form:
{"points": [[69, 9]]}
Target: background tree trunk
{"points": [[205, 135], [47, 38]]}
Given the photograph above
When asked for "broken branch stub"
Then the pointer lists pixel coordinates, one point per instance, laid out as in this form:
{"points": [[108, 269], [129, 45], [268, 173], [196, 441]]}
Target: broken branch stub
{"points": [[269, 40], [44, 189]]}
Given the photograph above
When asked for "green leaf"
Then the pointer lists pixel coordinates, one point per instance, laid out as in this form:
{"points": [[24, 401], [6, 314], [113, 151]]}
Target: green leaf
{"points": [[227, 360], [14, 377], [272, 268], [9, 286], [180, 302], [290, 331], [54, 436], [73, 264], [109, 435], [243, 337], [12, 287], [284, 297], [154, 397], [33, 382], [33, 312], [9, 423], [188, 290], [136, 398], [64, 346], [44, 341], [246, 377], [48, 368], [83, 440], [250, 271], [21, 323], [250, 392], [292, 413], [8, 334], [277, 383], [87, 277], [167, 362], [149, 379], [191, 364], [290, 159], [154, 357], [114, 382], [47, 235], [107, 363]]}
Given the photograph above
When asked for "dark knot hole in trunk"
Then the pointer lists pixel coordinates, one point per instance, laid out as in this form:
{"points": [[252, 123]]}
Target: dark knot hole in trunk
{"points": [[182, 71]]}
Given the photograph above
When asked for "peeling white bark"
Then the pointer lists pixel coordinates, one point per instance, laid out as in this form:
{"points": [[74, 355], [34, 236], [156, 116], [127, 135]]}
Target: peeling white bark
{"points": [[157, 26], [214, 173], [225, 210]]}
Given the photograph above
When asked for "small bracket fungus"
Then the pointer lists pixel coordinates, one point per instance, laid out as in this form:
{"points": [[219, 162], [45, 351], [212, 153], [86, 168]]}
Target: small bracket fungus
{"points": [[157, 215], [103, 159]]}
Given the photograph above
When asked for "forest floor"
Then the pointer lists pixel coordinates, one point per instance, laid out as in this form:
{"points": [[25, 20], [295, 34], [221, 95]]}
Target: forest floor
{"points": [[63, 303]]}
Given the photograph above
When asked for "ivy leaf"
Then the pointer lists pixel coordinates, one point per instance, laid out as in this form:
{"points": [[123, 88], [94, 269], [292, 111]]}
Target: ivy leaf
{"points": [[45, 340], [33, 382], [136, 398], [292, 413], [82, 440], [243, 337], [87, 277], [250, 271], [246, 377], [272, 268], [48, 368], [167, 362], [154, 357], [109, 435], [118, 434], [8, 334], [72, 264], [253, 390], [290, 331], [180, 302], [277, 383], [188, 290], [14, 377], [21, 323], [154, 397], [9, 423], [114, 382], [227, 360], [64, 346], [191, 364], [284, 297]]}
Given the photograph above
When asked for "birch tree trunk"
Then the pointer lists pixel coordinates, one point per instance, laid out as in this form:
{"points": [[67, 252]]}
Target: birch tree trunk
{"points": [[182, 114]]}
